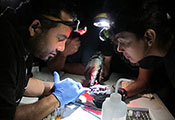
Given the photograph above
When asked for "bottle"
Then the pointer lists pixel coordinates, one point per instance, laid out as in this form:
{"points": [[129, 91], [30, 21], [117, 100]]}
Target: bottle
{"points": [[113, 108]]}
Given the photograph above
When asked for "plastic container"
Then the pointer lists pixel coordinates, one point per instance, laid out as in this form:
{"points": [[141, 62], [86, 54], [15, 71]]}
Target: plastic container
{"points": [[113, 108]]}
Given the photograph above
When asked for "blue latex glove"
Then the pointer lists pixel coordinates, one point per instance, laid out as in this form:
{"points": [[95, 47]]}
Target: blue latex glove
{"points": [[67, 90]]}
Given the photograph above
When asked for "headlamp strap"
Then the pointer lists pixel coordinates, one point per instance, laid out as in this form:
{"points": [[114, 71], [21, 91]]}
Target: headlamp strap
{"points": [[52, 18]]}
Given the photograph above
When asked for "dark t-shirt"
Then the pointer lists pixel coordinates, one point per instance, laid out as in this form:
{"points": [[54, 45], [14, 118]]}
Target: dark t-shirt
{"points": [[106, 47], [13, 72], [89, 45], [169, 61], [170, 64], [159, 79], [165, 78]]}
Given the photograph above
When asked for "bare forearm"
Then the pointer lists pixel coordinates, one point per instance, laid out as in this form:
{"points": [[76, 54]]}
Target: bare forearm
{"points": [[74, 68], [38, 110], [135, 88], [141, 83], [37, 87], [107, 63]]}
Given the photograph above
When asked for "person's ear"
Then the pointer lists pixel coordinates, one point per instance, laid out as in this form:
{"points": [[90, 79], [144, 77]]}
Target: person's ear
{"points": [[35, 27], [150, 36]]}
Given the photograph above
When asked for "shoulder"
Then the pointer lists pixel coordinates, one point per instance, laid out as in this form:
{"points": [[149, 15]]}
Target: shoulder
{"points": [[151, 62], [170, 53], [106, 48], [11, 42]]}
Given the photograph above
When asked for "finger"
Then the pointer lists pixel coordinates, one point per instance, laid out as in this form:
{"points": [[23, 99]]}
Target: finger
{"points": [[76, 39], [92, 69], [56, 77], [78, 44], [89, 71], [79, 85], [80, 91], [81, 88]]}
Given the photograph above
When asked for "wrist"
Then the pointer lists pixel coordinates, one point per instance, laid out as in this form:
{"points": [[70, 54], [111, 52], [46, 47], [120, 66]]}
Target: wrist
{"points": [[53, 100], [47, 88], [59, 99]]}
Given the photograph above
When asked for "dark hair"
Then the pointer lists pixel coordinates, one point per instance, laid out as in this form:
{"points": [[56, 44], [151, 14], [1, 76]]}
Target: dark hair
{"points": [[137, 16], [35, 9]]}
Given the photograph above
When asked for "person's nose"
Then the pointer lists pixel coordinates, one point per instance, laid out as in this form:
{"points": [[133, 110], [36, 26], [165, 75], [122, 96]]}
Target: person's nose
{"points": [[120, 48], [61, 46]]}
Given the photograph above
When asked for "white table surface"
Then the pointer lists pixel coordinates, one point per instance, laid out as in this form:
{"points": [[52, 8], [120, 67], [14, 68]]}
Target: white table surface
{"points": [[157, 109]]}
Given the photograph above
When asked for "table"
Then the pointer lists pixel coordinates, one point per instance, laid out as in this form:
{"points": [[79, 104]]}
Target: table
{"points": [[157, 109]]}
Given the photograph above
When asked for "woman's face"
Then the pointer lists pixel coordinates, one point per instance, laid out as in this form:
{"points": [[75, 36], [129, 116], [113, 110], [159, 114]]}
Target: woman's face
{"points": [[133, 49]]}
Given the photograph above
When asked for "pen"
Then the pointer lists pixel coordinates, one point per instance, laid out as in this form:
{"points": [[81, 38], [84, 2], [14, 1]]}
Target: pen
{"points": [[77, 104]]}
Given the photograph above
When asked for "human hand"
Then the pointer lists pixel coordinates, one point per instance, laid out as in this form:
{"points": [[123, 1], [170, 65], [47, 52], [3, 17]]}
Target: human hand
{"points": [[67, 90], [72, 46], [94, 69], [90, 74], [93, 74]]}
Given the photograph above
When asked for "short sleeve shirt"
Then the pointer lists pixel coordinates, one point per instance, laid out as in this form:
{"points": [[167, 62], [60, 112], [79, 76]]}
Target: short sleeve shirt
{"points": [[106, 47], [169, 60]]}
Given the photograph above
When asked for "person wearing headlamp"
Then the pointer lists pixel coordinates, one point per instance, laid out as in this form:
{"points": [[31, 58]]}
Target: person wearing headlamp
{"points": [[39, 28], [148, 76], [70, 60], [145, 35]]}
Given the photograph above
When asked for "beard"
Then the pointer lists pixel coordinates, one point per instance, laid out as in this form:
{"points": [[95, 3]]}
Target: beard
{"points": [[38, 46]]}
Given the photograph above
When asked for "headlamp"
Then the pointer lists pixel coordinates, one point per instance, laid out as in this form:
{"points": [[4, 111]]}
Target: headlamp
{"points": [[74, 24], [81, 31], [105, 33], [104, 21]]}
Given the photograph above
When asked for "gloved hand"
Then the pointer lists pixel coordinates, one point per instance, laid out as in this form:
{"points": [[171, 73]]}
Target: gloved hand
{"points": [[67, 90]]}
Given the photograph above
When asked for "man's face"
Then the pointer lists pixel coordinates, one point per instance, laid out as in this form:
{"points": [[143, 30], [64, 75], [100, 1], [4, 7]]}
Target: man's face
{"points": [[46, 44], [50, 42], [133, 49]]}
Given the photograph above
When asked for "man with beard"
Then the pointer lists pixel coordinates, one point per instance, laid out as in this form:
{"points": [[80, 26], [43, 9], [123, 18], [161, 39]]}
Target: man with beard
{"points": [[40, 32]]}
